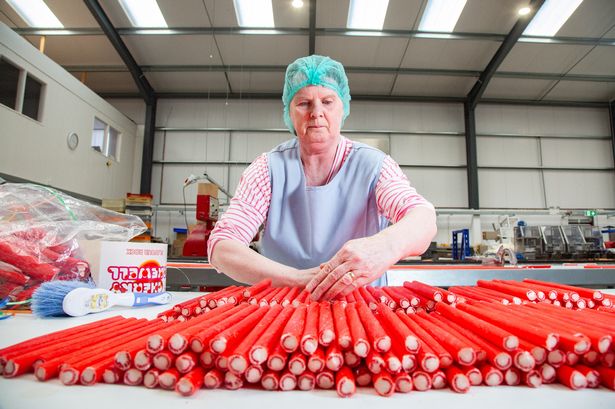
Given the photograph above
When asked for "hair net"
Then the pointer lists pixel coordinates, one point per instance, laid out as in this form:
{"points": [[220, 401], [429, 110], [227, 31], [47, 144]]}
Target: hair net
{"points": [[314, 70]]}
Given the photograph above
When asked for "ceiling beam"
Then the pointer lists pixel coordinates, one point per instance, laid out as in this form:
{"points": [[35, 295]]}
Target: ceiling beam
{"points": [[145, 89], [500, 55], [372, 98], [348, 69], [125, 31], [312, 33]]}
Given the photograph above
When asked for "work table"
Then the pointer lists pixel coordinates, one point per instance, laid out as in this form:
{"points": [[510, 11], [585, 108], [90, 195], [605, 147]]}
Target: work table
{"points": [[26, 392]]}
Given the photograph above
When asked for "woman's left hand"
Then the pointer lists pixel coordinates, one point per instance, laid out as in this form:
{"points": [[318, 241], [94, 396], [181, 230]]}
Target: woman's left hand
{"points": [[357, 263]]}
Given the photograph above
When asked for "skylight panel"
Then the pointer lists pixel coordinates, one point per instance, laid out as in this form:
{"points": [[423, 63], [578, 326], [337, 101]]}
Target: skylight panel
{"points": [[441, 15], [367, 14], [35, 13], [143, 13], [254, 13], [551, 17]]}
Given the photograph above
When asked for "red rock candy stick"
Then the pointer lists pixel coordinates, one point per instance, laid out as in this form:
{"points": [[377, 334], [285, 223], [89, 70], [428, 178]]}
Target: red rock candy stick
{"points": [[309, 338], [495, 355], [571, 378], [431, 351], [237, 331], [297, 363], [333, 357], [457, 332], [360, 341], [325, 379], [369, 298], [457, 380], [288, 381], [425, 290], [591, 375], [293, 330], [267, 299], [384, 384], [316, 361], [260, 286], [190, 382], [480, 294], [345, 382], [403, 383], [277, 358], [163, 360], [326, 330], [492, 376], [168, 379], [342, 331], [150, 378], [421, 381], [22, 363], [523, 293], [270, 337], [186, 362], [399, 332], [463, 353], [531, 333], [178, 333], [239, 356], [567, 337], [213, 379], [306, 381], [474, 375], [351, 359], [290, 296], [279, 297], [253, 373], [392, 362], [214, 297], [379, 338], [301, 298], [200, 340], [270, 381], [438, 380]]}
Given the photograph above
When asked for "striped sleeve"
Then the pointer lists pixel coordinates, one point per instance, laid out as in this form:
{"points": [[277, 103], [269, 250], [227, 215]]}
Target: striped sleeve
{"points": [[248, 208], [394, 194]]}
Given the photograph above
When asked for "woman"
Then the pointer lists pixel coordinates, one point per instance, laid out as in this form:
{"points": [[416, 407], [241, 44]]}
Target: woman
{"points": [[324, 200]]}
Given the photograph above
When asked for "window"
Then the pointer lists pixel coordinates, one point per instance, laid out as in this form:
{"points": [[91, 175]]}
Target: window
{"points": [[9, 77], [106, 139], [32, 97]]}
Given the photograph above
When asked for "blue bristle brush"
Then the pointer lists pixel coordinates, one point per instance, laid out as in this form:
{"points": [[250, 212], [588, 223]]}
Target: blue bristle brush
{"points": [[77, 298]]}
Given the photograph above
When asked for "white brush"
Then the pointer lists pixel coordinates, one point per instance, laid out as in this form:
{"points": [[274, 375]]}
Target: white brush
{"points": [[76, 298]]}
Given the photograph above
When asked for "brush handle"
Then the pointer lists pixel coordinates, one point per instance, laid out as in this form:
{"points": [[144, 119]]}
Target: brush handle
{"points": [[136, 299]]}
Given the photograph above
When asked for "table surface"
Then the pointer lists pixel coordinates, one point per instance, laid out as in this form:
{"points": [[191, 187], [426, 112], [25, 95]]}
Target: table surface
{"points": [[26, 392]]}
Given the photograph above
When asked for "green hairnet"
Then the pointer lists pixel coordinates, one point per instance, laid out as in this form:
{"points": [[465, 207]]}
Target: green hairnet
{"points": [[315, 70]]}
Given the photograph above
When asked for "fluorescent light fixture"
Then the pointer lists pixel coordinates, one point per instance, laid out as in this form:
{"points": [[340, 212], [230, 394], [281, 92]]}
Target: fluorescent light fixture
{"points": [[441, 15], [524, 11], [551, 17], [367, 14], [297, 4], [35, 13], [143, 13], [254, 13]]}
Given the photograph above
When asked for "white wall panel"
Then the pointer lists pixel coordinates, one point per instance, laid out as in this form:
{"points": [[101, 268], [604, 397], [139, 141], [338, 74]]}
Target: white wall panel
{"points": [[191, 146], [536, 120], [247, 146], [442, 187], [574, 153], [580, 189], [428, 150], [510, 189], [507, 151]]}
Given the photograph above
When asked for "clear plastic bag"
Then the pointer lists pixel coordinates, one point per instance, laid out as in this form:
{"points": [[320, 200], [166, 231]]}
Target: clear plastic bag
{"points": [[39, 232]]}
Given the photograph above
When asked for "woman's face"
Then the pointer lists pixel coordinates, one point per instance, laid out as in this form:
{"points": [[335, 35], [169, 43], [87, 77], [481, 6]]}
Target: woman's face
{"points": [[316, 113]]}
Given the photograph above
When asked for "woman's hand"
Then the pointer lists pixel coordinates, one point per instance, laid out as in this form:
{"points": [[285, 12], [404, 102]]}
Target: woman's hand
{"points": [[357, 263]]}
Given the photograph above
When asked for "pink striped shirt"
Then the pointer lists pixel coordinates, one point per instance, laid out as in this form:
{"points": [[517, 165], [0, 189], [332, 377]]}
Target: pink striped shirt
{"points": [[249, 207]]}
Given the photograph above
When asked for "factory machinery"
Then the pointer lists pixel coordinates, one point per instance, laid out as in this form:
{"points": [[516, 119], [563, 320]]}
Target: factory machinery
{"points": [[560, 242]]}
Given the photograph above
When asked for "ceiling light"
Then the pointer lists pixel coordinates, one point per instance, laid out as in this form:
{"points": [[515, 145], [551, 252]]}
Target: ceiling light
{"points": [[297, 4], [551, 17], [524, 11], [367, 14], [441, 15], [35, 13], [254, 13], [143, 13]]}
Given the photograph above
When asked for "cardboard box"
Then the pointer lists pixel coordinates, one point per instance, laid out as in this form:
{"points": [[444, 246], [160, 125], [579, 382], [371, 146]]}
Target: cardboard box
{"points": [[127, 266], [207, 189], [491, 235]]}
